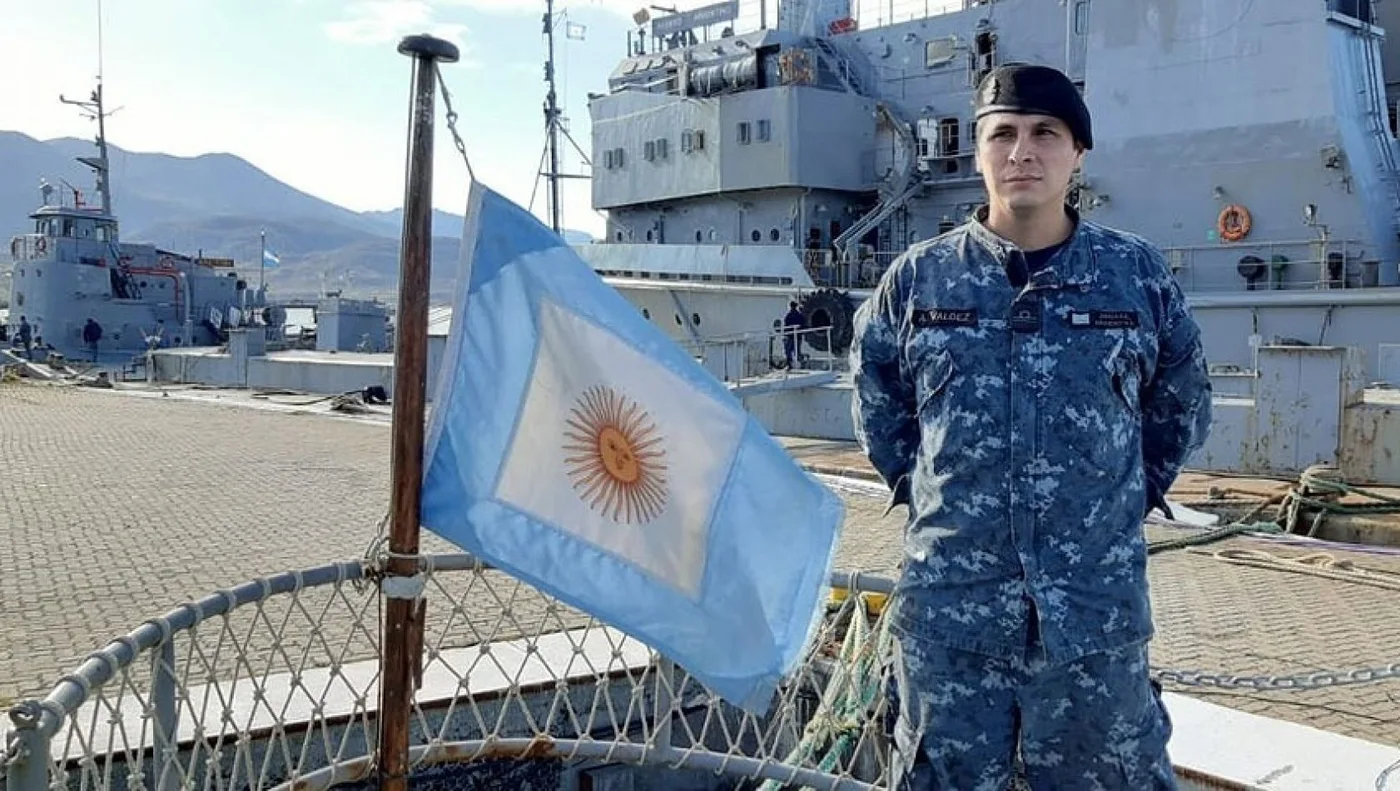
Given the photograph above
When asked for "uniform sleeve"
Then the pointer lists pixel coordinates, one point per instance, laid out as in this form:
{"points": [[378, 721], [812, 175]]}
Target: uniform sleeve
{"points": [[883, 407], [1176, 399]]}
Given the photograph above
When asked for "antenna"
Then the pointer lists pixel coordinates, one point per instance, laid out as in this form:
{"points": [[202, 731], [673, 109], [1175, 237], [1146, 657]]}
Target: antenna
{"points": [[94, 110]]}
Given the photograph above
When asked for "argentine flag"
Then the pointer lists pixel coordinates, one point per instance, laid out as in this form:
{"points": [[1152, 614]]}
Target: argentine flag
{"points": [[574, 446], [270, 259]]}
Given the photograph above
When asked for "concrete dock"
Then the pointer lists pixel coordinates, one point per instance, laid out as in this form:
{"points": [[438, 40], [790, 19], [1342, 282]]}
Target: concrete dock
{"points": [[118, 504]]}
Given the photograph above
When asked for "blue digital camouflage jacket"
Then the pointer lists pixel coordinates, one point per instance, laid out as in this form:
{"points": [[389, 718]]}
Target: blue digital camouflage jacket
{"points": [[1026, 430]]}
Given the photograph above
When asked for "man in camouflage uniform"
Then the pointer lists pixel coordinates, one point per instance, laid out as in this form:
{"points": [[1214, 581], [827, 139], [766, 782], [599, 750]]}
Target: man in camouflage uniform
{"points": [[1029, 385]]}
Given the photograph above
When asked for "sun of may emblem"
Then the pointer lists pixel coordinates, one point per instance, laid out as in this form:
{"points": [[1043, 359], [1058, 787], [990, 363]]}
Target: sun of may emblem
{"points": [[615, 458]]}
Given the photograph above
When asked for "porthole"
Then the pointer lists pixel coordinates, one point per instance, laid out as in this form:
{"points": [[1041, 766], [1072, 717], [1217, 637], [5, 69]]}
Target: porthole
{"points": [[679, 323], [646, 314], [695, 319], [756, 236], [773, 235]]}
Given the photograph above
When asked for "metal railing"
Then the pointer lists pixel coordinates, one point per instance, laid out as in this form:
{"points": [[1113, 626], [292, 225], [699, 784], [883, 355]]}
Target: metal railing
{"points": [[743, 357], [1289, 264]]}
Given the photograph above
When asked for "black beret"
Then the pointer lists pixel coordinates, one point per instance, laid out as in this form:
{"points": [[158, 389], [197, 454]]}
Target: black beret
{"points": [[1041, 90]]}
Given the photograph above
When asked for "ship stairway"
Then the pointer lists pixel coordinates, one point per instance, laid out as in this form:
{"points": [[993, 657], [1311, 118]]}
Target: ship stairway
{"points": [[842, 66], [874, 217]]}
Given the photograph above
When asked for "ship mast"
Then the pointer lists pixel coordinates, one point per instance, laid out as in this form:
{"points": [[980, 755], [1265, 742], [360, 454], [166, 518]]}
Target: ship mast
{"points": [[99, 164], [551, 120]]}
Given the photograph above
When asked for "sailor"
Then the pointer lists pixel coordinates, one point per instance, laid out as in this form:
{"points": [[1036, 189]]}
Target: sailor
{"points": [[1029, 385], [26, 336], [92, 333], [793, 323]]}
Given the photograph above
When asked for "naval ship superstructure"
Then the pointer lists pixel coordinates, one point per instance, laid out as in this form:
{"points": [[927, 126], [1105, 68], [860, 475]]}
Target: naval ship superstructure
{"points": [[72, 267], [1253, 140]]}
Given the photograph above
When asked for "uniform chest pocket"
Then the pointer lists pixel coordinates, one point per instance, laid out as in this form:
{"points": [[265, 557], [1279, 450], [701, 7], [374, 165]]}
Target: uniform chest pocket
{"points": [[933, 372], [1094, 413], [1127, 381]]}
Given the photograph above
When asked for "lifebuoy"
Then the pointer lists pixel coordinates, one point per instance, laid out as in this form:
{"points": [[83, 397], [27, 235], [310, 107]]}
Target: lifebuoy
{"points": [[41, 245], [1233, 223]]}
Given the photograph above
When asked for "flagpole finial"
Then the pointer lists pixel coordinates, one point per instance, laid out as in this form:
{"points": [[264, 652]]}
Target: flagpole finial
{"points": [[426, 46]]}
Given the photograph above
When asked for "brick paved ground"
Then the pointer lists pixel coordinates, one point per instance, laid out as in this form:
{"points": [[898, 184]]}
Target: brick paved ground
{"points": [[114, 508]]}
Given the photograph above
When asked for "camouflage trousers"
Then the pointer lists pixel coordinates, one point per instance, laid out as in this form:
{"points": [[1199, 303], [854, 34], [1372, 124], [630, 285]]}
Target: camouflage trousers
{"points": [[963, 720]]}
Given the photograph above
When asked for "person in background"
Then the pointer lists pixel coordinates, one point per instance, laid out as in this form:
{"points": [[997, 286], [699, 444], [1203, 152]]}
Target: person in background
{"points": [[793, 322], [92, 334]]}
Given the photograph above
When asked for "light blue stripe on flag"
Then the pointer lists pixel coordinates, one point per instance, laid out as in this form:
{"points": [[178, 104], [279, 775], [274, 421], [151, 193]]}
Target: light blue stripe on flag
{"points": [[575, 446], [270, 259]]}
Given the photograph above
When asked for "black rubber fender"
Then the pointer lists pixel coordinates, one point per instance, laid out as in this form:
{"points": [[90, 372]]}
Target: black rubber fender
{"points": [[827, 307]]}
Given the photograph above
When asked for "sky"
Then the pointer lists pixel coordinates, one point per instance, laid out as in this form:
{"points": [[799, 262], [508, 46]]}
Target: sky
{"points": [[314, 92]]}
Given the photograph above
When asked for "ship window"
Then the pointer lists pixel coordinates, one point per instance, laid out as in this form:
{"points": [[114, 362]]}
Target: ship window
{"points": [[67, 227], [765, 130], [662, 148], [1081, 17], [646, 314], [756, 236], [619, 236], [985, 55], [608, 159], [649, 236], [949, 142], [699, 236], [695, 319], [744, 133], [773, 235], [687, 141], [649, 150], [699, 140], [713, 234], [1357, 9], [945, 225]]}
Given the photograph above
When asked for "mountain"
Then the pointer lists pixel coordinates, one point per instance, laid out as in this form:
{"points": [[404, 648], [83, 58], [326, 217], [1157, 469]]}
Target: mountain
{"points": [[218, 203]]}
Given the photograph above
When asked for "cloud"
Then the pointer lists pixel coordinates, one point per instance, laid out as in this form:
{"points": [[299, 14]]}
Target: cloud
{"points": [[384, 21]]}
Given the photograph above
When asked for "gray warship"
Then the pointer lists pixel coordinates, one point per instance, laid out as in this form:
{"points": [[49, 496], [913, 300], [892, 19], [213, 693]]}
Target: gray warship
{"points": [[73, 268], [1253, 141]]}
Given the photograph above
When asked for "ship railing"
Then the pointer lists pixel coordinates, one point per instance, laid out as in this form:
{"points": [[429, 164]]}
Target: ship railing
{"points": [[1297, 264], [864, 14], [274, 684], [829, 270], [744, 357]]}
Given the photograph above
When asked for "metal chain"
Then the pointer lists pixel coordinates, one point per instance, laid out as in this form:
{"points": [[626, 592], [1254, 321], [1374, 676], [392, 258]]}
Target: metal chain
{"points": [[1328, 678], [452, 120]]}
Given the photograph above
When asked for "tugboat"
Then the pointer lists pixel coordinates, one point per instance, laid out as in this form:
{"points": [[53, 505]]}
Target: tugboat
{"points": [[88, 296]]}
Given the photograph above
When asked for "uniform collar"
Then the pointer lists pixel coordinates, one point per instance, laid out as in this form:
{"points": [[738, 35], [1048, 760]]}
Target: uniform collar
{"points": [[1076, 265]]}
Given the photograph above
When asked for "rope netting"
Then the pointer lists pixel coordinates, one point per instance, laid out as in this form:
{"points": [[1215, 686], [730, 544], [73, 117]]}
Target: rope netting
{"points": [[275, 683]]}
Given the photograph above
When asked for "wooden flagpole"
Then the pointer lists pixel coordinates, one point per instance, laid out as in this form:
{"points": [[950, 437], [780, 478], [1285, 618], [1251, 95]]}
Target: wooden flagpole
{"points": [[401, 640]]}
